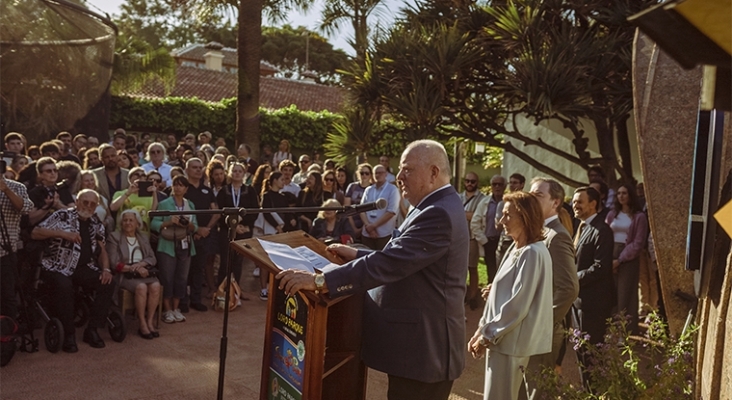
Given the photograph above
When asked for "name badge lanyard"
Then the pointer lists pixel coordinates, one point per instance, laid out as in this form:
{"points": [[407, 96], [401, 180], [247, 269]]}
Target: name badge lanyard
{"points": [[235, 196]]}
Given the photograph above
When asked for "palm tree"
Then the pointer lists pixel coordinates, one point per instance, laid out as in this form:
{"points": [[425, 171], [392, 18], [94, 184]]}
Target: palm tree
{"points": [[337, 12], [249, 44]]}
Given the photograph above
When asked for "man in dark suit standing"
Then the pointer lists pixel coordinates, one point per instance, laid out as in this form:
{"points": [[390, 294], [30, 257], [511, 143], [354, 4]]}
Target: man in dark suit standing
{"points": [[594, 257], [414, 319]]}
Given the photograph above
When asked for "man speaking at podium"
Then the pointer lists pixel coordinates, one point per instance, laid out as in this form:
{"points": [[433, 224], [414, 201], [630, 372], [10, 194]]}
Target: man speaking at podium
{"points": [[414, 319]]}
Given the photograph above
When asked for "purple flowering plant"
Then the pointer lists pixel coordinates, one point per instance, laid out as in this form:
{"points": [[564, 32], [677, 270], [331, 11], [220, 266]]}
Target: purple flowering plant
{"points": [[654, 366]]}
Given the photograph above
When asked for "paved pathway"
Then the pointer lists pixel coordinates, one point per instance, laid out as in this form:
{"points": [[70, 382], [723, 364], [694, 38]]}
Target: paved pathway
{"points": [[181, 364]]}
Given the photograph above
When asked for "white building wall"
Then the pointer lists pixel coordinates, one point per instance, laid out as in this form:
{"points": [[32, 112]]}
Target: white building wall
{"points": [[553, 133]]}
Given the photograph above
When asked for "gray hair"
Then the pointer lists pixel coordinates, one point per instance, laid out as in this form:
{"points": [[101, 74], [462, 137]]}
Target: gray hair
{"points": [[158, 145], [85, 191], [135, 213], [193, 159]]}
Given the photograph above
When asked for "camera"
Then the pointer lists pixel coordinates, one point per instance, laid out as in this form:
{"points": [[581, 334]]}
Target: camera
{"points": [[183, 221], [6, 158]]}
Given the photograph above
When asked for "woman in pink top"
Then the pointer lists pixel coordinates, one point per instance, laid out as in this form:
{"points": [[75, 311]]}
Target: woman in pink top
{"points": [[630, 230]]}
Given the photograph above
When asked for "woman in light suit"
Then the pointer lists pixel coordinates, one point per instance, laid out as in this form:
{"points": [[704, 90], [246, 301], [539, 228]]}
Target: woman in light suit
{"points": [[517, 320], [131, 256]]}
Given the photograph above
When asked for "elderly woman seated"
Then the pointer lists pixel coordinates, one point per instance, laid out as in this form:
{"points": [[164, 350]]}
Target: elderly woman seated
{"points": [[131, 256], [330, 227]]}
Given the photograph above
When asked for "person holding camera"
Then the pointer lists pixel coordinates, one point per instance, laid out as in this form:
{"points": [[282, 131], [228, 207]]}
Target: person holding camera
{"points": [[140, 195], [175, 248], [133, 260], [48, 195]]}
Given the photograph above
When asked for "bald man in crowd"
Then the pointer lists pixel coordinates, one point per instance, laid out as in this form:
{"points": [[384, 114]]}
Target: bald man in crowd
{"points": [[414, 319]]}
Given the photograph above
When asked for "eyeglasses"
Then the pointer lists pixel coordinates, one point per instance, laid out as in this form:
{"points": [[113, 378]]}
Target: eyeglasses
{"points": [[471, 181], [53, 171], [88, 203], [365, 173], [329, 180]]}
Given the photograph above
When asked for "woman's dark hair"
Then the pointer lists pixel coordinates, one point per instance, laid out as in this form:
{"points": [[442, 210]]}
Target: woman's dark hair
{"points": [[181, 180], [268, 182], [212, 166], [632, 199], [339, 187], [123, 153], [530, 213], [317, 189], [259, 174]]}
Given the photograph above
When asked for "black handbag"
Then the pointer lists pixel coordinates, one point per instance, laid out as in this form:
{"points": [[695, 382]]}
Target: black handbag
{"points": [[152, 272]]}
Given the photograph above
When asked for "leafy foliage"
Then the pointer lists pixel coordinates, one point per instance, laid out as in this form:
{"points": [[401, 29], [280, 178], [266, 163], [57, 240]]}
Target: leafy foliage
{"points": [[285, 47], [137, 63], [661, 368], [470, 70], [305, 130]]}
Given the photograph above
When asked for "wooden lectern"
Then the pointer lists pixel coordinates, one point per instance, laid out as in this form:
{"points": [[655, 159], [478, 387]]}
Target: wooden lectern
{"points": [[312, 344]]}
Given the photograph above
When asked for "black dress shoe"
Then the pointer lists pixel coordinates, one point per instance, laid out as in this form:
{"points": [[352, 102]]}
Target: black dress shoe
{"points": [[70, 344], [92, 337], [148, 336], [199, 307]]}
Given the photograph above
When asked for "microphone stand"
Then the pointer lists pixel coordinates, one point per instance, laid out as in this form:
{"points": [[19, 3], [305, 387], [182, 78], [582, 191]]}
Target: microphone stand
{"points": [[233, 214]]}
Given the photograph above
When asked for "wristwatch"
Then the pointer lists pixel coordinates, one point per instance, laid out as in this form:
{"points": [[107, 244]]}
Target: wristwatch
{"points": [[319, 282]]}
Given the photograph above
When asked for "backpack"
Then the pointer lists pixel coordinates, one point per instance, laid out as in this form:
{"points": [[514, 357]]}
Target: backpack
{"points": [[8, 339]]}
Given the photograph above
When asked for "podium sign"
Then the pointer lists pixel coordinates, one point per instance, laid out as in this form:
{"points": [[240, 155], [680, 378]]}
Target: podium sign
{"points": [[312, 343], [287, 347]]}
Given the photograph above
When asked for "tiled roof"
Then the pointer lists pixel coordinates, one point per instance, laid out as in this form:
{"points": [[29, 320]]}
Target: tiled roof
{"points": [[274, 93], [195, 53]]}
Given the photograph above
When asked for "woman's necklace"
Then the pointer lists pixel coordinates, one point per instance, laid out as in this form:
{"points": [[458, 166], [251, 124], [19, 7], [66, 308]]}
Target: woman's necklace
{"points": [[133, 243]]}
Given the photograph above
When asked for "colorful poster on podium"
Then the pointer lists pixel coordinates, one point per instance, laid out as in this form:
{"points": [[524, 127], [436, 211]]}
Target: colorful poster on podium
{"points": [[287, 351]]}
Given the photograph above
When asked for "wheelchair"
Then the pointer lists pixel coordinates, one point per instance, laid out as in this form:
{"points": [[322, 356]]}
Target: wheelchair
{"points": [[34, 300]]}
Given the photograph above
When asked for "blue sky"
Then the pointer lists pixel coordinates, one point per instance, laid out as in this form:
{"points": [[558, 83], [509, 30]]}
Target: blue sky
{"points": [[295, 18]]}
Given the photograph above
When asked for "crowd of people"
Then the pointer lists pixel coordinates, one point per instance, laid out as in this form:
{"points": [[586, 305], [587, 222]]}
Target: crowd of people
{"points": [[79, 209], [125, 178]]}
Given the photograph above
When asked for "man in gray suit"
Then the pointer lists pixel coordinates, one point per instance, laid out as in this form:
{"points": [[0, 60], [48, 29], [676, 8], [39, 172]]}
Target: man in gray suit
{"points": [[414, 319], [565, 283], [110, 178]]}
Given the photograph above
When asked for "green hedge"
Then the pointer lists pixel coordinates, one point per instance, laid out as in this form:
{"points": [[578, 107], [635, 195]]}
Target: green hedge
{"points": [[305, 130]]}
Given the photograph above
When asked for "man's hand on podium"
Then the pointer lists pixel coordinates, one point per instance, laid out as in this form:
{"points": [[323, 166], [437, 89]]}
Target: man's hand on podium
{"points": [[293, 281], [347, 253]]}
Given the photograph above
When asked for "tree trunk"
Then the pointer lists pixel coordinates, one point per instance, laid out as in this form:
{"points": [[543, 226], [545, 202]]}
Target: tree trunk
{"points": [[606, 146], [249, 43], [624, 148]]}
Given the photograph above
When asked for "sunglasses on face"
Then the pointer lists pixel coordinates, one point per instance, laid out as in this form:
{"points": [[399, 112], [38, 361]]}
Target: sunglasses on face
{"points": [[329, 179], [365, 173], [471, 181], [497, 184]]}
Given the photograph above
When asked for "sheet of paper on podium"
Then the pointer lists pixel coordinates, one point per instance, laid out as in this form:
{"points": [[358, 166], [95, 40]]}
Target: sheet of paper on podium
{"points": [[285, 257]]}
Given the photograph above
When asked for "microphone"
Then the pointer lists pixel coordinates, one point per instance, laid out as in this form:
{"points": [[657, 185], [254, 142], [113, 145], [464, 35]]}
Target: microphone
{"points": [[379, 204]]}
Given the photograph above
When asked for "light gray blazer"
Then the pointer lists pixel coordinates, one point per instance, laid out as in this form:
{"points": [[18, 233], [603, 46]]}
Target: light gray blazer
{"points": [[103, 186], [518, 316], [118, 250]]}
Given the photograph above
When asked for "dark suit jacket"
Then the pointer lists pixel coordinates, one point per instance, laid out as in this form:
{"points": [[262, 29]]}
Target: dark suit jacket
{"points": [[595, 267], [414, 318]]}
